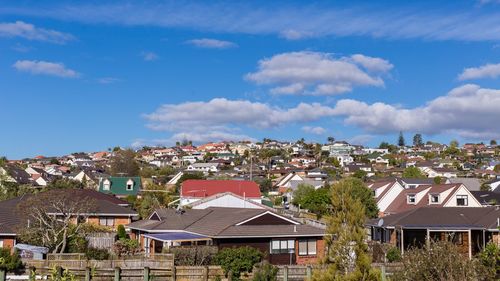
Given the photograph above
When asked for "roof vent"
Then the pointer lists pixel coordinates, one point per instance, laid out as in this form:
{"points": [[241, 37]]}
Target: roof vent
{"points": [[294, 228]]}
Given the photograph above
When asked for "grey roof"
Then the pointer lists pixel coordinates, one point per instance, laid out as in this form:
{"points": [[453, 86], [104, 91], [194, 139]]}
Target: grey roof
{"points": [[443, 218], [222, 222], [471, 184], [417, 181], [487, 197]]}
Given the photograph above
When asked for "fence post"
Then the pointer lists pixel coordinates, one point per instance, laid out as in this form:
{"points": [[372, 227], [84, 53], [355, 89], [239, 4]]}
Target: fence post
{"points": [[3, 275], [285, 273], [382, 273], [117, 273], [87, 274], [230, 275], [174, 277], [205, 273], [309, 272], [146, 273]]}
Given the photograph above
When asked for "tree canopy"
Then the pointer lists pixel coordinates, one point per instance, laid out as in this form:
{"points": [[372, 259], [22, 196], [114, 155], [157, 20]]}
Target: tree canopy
{"points": [[413, 172], [123, 163]]}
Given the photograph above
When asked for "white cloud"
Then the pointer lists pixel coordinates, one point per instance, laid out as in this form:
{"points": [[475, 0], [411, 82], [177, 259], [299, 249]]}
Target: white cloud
{"points": [[400, 21], [361, 139], [45, 68], [320, 73], [314, 130], [31, 32], [107, 80], [211, 43], [468, 111], [149, 56], [223, 119], [292, 34], [484, 71]]}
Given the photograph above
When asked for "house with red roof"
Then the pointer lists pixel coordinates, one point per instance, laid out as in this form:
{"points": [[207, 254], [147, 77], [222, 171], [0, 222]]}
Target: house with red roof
{"points": [[195, 190]]}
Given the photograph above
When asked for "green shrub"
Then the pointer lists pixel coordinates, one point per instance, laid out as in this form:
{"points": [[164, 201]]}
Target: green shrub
{"points": [[265, 271], [490, 259], [97, 254], [10, 262], [77, 244], [193, 255], [393, 255], [126, 247], [121, 233], [238, 260]]}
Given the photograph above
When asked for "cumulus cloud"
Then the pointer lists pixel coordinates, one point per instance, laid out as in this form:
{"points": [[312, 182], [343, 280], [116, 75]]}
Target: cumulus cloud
{"points": [[314, 130], [31, 32], [45, 68], [361, 139], [149, 56], [484, 71], [221, 118], [211, 43], [315, 73], [468, 111]]}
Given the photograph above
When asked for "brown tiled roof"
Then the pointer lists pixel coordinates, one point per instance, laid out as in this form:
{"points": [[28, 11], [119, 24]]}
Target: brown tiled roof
{"points": [[222, 222]]}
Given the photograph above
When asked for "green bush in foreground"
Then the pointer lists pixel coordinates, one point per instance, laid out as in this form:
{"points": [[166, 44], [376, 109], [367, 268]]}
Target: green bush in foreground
{"points": [[238, 260]]}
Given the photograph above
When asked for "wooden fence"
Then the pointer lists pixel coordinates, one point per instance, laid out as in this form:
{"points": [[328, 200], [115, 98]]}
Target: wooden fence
{"points": [[101, 240]]}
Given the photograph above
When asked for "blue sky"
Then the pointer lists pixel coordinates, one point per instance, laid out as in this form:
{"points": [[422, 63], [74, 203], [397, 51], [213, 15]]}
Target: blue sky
{"points": [[85, 77]]}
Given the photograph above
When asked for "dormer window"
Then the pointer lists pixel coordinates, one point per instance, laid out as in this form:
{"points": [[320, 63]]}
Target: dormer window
{"points": [[411, 199], [434, 198], [462, 200], [130, 184], [106, 184]]}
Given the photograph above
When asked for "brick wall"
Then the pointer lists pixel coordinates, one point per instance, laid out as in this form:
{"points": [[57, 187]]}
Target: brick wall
{"points": [[320, 253]]}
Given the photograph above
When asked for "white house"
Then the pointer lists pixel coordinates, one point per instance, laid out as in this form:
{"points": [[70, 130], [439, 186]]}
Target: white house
{"points": [[203, 167]]}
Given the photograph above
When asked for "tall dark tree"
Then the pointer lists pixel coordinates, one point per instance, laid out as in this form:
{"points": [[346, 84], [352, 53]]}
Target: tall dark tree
{"points": [[401, 139], [417, 140], [330, 139], [493, 142], [123, 163]]}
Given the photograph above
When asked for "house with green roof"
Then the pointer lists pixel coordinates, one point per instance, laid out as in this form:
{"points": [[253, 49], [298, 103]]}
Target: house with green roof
{"points": [[120, 186]]}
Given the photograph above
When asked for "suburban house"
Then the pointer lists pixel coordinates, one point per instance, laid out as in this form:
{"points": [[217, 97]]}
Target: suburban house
{"points": [[203, 167], [284, 241], [120, 186], [469, 228], [227, 200], [195, 190], [436, 195], [107, 211]]}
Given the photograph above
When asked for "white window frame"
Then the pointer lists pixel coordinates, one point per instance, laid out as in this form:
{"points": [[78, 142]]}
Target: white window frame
{"points": [[438, 196], [1, 243], [311, 247], [106, 184], [130, 185], [414, 196], [465, 198], [282, 246], [108, 221]]}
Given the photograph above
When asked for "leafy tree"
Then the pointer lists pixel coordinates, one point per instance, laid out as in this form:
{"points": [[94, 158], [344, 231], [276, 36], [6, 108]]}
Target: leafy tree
{"points": [[64, 183], [238, 260], [361, 192], [265, 185], [123, 163], [330, 139], [439, 261], [493, 142], [490, 259], [360, 174], [413, 173], [417, 140], [3, 161], [438, 180], [315, 200], [347, 255], [10, 262], [401, 140], [454, 143], [393, 255], [120, 232]]}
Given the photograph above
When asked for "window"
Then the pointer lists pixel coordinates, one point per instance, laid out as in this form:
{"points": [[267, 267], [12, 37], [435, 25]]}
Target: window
{"points": [[411, 199], [462, 200], [307, 247], [130, 184], [106, 221], [456, 238], [1, 243], [282, 246], [434, 198], [106, 185]]}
